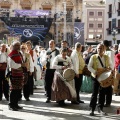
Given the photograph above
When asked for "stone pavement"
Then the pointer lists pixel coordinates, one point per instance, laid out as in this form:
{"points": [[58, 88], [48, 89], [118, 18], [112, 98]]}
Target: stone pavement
{"points": [[37, 109]]}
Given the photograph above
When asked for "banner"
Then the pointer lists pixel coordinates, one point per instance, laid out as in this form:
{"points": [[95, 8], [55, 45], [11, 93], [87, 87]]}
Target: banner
{"points": [[31, 12], [79, 32], [34, 29]]}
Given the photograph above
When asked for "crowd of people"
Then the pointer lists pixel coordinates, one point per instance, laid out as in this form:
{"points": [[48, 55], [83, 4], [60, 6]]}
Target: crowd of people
{"points": [[21, 65]]}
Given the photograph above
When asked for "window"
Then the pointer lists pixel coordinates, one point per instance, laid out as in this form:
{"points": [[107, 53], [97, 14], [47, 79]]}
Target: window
{"points": [[118, 23], [118, 9], [118, 26], [90, 36], [91, 13], [91, 25], [118, 5], [109, 27], [110, 11], [99, 25], [99, 13]]}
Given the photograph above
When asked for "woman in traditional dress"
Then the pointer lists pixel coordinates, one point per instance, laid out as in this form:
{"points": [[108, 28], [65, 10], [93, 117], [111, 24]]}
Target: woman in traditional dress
{"points": [[87, 83], [62, 90]]}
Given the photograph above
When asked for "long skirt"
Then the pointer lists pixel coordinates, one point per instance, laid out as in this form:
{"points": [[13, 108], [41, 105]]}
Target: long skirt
{"points": [[60, 91], [17, 79], [87, 84]]}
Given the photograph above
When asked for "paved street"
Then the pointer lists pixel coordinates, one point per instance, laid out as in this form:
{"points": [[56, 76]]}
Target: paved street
{"points": [[37, 109]]}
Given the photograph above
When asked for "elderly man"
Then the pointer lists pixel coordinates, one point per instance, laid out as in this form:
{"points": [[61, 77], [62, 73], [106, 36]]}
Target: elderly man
{"points": [[98, 62], [17, 77], [4, 87], [78, 65]]}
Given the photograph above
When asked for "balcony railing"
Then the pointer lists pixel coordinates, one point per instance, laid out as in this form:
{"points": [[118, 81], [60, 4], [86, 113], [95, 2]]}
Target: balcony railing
{"points": [[108, 31]]}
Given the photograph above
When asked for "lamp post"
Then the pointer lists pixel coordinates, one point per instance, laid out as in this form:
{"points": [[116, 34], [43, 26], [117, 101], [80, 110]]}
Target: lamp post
{"points": [[114, 33]]}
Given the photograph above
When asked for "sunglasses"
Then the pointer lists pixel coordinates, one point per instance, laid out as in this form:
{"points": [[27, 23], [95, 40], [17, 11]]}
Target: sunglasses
{"points": [[22, 48]]}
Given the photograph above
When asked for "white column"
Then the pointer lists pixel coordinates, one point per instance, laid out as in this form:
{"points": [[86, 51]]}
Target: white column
{"points": [[64, 5], [56, 24]]}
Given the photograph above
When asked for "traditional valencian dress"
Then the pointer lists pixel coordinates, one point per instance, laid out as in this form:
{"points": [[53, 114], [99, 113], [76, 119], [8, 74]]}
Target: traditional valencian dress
{"points": [[17, 78], [17, 74], [62, 90]]}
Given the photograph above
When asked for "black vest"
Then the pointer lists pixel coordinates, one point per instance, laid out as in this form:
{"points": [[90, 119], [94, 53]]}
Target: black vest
{"points": [[49, 52]]}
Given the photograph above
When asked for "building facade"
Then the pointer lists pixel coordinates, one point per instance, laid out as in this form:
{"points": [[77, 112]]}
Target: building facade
{"points": [[63, 21], [113, 21], [94, 19]]}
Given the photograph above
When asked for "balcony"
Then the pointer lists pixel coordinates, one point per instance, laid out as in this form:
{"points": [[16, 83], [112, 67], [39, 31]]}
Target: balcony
{"points": [[5, 3], [26, 4], [108, 31]]}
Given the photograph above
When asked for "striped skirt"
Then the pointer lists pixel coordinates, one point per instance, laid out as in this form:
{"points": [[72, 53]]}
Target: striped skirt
{"points": [[17, 79]]}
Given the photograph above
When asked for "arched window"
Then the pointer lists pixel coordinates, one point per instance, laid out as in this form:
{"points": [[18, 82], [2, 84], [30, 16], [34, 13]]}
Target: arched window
{"points": [[5, 3], [26, 4]]}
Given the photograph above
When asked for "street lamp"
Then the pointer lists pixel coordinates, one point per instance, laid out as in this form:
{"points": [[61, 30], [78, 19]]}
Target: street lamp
{"points": [[114, 33]]}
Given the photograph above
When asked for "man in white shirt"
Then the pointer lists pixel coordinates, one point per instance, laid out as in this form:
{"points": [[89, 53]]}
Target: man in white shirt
{"points": [[78, 65], [50, 55], [4, 87], [94, 66]]}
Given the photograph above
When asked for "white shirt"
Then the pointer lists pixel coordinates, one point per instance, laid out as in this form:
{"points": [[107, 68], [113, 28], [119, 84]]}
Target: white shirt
{"points": [[90, 64], [59, 58], [12, 64], [3, 57]]}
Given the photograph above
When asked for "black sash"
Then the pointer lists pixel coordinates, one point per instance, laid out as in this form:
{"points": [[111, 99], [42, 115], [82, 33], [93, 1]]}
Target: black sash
{"points": [[101, 62]]}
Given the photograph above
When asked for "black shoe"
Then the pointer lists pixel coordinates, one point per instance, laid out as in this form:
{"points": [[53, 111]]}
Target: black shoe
{"points": [[48, 101], [27, 99], [101, 111], [19, 107], [75, 102], [80, 101], [116, 94], [7, 99], [62, 104], [13, 109], [92, 113], [107, 105]]}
